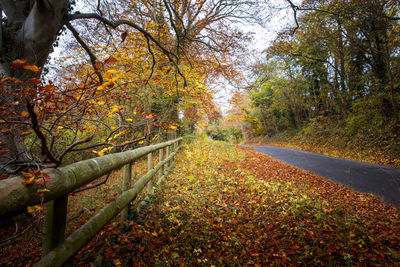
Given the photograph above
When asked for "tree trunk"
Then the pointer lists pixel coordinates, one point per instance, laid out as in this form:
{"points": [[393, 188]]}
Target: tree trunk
{"points": [[32, 28]]}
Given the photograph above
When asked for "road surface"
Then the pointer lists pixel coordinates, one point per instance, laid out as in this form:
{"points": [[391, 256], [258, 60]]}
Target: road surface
{"points": [[382, 181]]}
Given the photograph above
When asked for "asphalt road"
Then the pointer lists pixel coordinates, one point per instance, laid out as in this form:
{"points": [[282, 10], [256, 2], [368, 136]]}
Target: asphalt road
{"points": [[382, 181]]}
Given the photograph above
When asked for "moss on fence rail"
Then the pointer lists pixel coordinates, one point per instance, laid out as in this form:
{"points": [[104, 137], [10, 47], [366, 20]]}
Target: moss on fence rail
{"points": [[14, 196]]}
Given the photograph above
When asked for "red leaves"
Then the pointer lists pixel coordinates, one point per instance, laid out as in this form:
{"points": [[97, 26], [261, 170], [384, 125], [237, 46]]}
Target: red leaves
{"points": [[18, 63], [34, 81], [110, 60], [123, 36]]}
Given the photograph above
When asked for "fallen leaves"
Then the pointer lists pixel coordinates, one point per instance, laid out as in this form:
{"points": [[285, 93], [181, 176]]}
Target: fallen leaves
{"points": [[228, 206], [233, 206]]}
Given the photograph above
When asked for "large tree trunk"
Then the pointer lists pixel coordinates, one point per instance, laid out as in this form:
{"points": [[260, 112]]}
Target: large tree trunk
{"points": [[32, 27]]}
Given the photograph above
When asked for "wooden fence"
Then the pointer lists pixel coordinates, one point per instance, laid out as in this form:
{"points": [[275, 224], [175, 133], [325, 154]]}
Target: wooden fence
{"points": [[15, 197]]}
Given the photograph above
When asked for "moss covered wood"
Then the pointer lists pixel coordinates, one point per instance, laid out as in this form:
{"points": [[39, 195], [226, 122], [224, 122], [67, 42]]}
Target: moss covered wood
{"points": [[126, 184], [15, 197], [83, 235]]}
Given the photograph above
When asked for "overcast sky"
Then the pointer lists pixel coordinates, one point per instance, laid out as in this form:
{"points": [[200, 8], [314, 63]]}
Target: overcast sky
{"points": [[263, 36]]}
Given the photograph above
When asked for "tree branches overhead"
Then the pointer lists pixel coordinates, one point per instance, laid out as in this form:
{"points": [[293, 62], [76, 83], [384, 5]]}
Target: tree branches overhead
{"points": [[130, 69]]}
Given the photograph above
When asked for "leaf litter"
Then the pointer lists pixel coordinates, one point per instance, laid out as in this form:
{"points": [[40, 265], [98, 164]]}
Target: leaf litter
{"points": [[231, 206]]}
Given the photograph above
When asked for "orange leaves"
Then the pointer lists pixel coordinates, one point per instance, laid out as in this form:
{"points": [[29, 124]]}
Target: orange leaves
{"points": [[35, 208], [110, 60], [31, 68], [20, 63], [222, 206], [103, 151], [97, 65], [35, 176], [26, 133]]}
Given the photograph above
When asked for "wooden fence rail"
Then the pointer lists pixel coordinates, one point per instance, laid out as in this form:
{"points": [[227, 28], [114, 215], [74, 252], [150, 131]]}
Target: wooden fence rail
{"points": [[15, 196]]}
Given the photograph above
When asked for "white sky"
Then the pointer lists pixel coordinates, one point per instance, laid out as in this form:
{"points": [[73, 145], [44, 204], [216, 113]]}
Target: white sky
{"points": [[262, 39]]}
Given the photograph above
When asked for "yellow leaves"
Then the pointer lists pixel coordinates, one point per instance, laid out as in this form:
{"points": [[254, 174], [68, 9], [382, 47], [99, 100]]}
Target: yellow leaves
{"points": [[114, 109], [141, 142], [130, 120], [117, 262], [197, 251], [173, 127], [44, 190], [35, 208], [112, 71], [118, 134], [103, 151], [30, 178]]}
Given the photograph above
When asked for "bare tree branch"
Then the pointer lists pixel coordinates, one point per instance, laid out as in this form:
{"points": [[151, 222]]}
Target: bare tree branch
{"points": [[115, 24], [36, 128], [153, 60], [70, 147], [93, 58]]}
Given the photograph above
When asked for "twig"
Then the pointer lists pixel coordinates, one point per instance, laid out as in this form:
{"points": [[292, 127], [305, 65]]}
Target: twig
{"points": [[92, 57], [92, 186], [39, 134], [71, 146]]}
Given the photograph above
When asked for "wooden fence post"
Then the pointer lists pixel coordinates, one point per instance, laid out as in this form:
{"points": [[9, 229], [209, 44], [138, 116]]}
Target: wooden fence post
{"points": [[54, 223], [126, 184], [149, 167], [161, 158], [166, 156]]}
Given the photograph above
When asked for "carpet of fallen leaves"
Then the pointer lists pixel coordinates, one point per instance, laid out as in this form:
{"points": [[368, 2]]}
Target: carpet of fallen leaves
{"points": [[231, 206], [227, 206]]}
